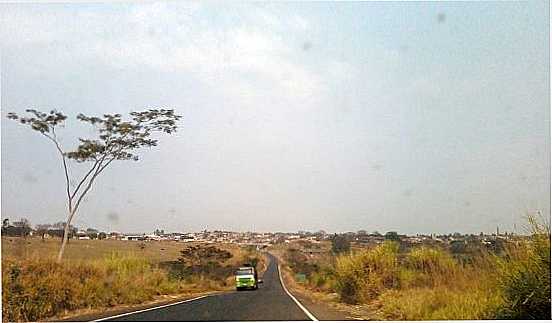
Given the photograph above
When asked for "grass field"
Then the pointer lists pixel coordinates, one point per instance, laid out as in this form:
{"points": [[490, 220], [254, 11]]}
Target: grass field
{"points": [[154, 251]]}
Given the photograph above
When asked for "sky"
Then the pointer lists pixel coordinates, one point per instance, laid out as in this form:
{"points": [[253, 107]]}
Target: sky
{"points": [[390, 116]]}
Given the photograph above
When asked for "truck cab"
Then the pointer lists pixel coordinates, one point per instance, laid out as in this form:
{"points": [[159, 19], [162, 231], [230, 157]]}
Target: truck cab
{"points": [[246, 278]]}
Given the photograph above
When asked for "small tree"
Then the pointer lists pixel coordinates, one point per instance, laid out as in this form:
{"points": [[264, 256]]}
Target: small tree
{"points": [[202, 257], [117, 140], [21, 228], [340, 243], [42, 229], [393, 236]]}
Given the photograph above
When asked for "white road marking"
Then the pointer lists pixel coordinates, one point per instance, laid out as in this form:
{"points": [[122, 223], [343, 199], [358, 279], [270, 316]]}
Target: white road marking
{"points": [[153, 308], [295, 299]]}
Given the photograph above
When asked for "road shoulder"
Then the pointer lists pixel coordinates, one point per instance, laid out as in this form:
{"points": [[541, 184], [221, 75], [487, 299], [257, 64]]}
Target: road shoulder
{"points": [[322, 306]]}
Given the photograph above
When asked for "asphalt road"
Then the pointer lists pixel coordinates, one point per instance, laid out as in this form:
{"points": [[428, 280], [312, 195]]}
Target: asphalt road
{"points": [[268, 303]]}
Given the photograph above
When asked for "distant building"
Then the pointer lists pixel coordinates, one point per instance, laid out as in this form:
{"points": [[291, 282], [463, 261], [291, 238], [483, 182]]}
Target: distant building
{"points": [[133, 237], [81, 235], [187, 238], [114, 235]]}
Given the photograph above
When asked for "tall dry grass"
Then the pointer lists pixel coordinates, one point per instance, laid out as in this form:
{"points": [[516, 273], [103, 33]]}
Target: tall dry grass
{"points": [[428, 283], [362, 276], [512, 285], [35, 289], [525, 274], [444, 291]]}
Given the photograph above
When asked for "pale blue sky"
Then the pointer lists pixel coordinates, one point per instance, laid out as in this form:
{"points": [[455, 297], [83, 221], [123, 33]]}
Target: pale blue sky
{"points": [[414, 117]]}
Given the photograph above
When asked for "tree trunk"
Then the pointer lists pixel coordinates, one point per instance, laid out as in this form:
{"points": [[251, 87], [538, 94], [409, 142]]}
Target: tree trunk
{"points": [[65, 236]]}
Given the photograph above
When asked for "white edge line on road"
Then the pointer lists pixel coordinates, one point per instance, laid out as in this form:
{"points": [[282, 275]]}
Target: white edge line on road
{"points": [[152, 308], [295, 299]]}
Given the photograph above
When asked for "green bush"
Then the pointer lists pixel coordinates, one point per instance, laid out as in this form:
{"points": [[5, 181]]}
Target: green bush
{"points": [[340, 243], [322, 279]]}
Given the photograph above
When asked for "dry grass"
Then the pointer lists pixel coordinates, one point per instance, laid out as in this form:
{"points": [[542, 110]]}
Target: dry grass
{"points": [[363, 276], [34, 289], [524, 276], [440, 303], [427, 283], [446, 292], [32, 248]]}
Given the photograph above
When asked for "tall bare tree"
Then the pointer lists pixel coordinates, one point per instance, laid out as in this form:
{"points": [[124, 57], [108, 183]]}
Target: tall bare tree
{"points": [[117, 140]]}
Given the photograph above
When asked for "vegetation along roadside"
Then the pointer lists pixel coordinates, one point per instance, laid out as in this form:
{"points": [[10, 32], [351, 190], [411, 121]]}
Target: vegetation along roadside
{"points": [[391, 281]]}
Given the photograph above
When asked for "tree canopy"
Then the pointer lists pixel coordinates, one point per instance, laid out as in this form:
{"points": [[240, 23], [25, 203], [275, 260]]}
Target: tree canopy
{"points": [[340, 243], [117, 139]]}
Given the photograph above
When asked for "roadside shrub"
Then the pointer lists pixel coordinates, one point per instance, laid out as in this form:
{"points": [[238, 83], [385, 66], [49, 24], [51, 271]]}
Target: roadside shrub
{"points": [[36, 289], [39, 289], [363, 276], [206, 260], [440, 303], [299, 263], [410, 278], [322, 279], [317, 280], [349, 278], [200, 264], [430, 261], [513, 284], [525, 276], [440, 292], [340, 243], [427, 266]]}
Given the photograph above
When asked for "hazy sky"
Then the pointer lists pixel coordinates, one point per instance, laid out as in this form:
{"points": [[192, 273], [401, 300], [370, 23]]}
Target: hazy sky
{"points": [[414, 117]]}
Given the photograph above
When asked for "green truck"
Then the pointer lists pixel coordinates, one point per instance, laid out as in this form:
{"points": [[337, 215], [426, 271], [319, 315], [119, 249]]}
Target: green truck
{"points": [[246, 278]]}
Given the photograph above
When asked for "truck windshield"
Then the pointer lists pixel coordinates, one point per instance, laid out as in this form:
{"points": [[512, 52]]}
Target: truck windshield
{"points": [[244, 272]]}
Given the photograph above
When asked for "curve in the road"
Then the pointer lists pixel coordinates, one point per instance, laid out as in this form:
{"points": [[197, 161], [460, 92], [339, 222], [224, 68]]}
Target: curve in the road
{"points": [[271, 302]]}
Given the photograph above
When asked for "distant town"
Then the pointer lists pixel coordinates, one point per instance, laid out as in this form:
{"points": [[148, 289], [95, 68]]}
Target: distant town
{"points": [[23, 228]]}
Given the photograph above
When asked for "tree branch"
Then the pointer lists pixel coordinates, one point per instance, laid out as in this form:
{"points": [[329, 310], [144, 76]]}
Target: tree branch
{"points": [[114, 154], [84, 179], [67, 182], [96, 173], [104, 166], [97, 163], [85, 190]]}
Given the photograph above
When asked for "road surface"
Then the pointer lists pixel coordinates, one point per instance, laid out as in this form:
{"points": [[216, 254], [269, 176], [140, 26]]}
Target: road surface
{"points": [[268, 303]]}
